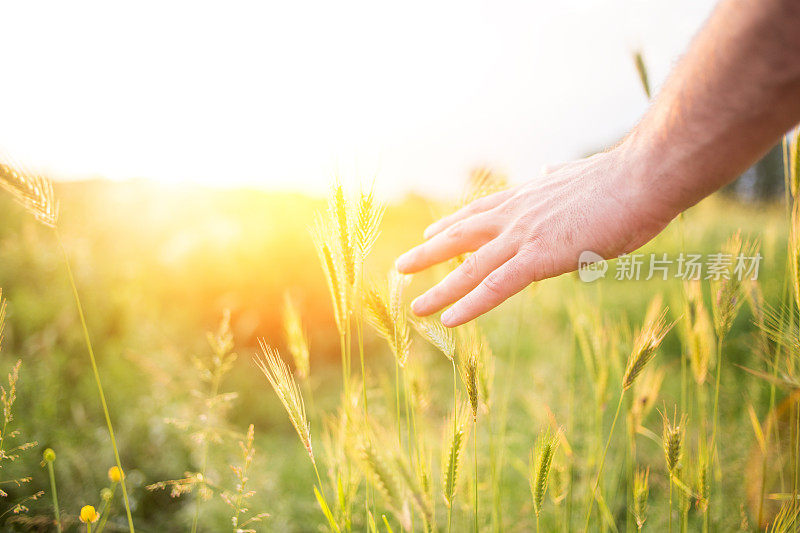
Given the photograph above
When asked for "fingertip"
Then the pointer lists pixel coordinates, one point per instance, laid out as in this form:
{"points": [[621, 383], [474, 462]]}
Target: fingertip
{"points": [[401, 264], [429, 231], [416, 307], [448, 318]]}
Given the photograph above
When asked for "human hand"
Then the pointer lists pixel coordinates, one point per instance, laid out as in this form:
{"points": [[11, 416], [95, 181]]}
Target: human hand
{"points": [[535, 231]]}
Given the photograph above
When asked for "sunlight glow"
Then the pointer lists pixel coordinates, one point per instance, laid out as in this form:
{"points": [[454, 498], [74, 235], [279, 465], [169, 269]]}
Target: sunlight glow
{"points": [[280, 95]]}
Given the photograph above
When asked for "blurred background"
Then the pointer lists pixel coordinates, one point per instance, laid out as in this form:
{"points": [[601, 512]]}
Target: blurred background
{"points": [[279, 95]]}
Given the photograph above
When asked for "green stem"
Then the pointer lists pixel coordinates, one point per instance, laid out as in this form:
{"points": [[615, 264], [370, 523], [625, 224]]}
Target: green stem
{"points": [[55, 495], [455, 429], [105, 511], [397, 402], [204, 461], [712, 449], [602, 462], [669, 514], [97, 379], [475, 453]]}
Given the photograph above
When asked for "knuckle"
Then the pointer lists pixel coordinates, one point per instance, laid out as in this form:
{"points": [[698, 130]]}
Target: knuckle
{"points": [[469, 268], [494, 283], [456, 231]]}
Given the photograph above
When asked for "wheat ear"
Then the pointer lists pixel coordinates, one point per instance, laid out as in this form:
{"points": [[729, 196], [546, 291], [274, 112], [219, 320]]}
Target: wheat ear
{"points": [[641, 490], [646, 343], [282, 381], [31, 191], [440, 337], [541, 460], [368, 221]]}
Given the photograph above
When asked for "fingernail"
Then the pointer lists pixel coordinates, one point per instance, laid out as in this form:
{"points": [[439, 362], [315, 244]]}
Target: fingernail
{"points": [[447, 317]]}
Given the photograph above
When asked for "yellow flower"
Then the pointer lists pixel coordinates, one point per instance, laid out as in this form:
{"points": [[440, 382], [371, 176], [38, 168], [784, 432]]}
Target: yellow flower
{"points": [[115, 474], [88, 514]]}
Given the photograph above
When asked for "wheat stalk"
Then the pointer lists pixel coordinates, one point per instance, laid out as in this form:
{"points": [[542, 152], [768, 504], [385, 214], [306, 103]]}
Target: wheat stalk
{"points": [[456, 436], [296, 338], [35, 194], [383, 476], [645, 344], [32, 191], [387, 316], [647, 341], [321, 234], [419, 494], [435, 333], [787, 517], [641, 490], [469, 375], [540, 462], [282, 381], [672, 440], [342, 220], [368, 221], [698, 331]]}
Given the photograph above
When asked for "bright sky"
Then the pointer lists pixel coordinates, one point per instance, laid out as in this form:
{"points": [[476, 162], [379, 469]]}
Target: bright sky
{"points": [[282, 94]]}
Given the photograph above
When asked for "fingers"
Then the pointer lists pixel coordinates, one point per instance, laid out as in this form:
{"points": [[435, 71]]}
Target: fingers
{"points": [[478, 206], [510, 278], [465, 236], [464, 278]]}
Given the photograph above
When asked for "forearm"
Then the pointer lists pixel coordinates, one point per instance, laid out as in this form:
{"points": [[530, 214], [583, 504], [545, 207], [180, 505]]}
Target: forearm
{"points": [[732, 96]]}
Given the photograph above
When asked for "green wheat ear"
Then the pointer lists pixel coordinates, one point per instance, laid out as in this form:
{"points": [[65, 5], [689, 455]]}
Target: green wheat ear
{"points": [[456, 437], [641, 490], [540, 463]]}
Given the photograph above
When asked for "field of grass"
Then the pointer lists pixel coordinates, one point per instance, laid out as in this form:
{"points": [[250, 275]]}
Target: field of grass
{"points": [[156, 268]]}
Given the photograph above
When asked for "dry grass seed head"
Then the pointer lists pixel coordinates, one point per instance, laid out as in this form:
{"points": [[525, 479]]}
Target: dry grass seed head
{"points": [[288, 392], [653, 331], [32, 191]]}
